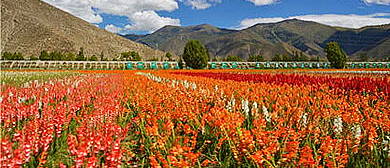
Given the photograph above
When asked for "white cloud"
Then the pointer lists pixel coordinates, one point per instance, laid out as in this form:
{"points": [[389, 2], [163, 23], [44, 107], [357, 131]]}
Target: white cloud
{"points": [[149, 20], [78, 8], [349, 21], [128, 7], [263, 2], [90, 11], [113, 29], [380, 2], [251, 22], [200, 4]]}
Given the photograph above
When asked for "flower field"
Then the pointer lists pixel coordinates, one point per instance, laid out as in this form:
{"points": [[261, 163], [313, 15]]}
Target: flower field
{"points": [[206, 118]]}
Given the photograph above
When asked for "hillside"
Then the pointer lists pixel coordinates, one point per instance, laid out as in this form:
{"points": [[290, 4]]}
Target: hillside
{"points": [[30, 26], [268, 39], [174, 38]]}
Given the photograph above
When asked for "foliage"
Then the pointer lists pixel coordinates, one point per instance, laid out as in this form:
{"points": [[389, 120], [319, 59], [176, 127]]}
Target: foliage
{"points": [[33, 57], [93, 58], [195, 119], [286, 58], [276, 58], [57, 56], [130, 56], [102, 56], [80, 55], [336, 56], [12, 56], [70, 56], [152, 59], [256, 58], [180, 63], [44, 56], [195, 55], [169, 56], [233, 58]]}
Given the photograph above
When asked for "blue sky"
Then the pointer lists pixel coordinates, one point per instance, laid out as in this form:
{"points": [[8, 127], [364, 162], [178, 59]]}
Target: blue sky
{"points": [[147, 16]]}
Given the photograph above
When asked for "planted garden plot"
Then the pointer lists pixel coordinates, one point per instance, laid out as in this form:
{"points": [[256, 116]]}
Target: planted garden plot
{"points": [[203, 118]]}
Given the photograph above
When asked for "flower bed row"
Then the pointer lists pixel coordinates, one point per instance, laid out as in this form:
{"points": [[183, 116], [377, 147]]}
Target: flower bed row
{"points": [[347, 83], [160, 119]]}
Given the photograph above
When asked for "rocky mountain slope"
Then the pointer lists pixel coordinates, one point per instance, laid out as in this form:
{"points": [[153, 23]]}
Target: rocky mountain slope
{"points": [[30, 26], [286, 37]]}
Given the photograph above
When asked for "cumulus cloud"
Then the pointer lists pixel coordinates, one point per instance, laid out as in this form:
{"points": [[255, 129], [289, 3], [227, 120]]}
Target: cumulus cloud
{"points": [[90, 11], [78, 8], [149, 20], [263, 2], [113, 29], [349, 21], [380, 2], [200, 4]]}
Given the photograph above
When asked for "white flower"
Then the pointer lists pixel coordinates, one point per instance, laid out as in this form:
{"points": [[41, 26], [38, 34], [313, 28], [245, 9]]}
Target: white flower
{"points": [[245, 107], [267, 116], [357, 131], [304, 119], [338, 122]]}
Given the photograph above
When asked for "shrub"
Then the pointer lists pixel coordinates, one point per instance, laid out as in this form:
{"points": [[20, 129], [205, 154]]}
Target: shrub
{"points": [[130, 56], [93, 58], [33, 57], [277, 58], [256, 58], [232, 58], [336, 56], [195, 55], [44, 56]]}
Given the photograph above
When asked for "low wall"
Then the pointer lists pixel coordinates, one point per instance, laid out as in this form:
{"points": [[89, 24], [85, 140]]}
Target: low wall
{"points": [[121, 65]]}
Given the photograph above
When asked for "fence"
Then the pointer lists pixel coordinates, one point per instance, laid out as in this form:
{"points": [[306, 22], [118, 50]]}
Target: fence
{"points": [[121, 65]]}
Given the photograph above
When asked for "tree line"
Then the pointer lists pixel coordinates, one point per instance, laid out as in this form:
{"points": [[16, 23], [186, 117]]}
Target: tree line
{"points": [[196, 56], [80, 56], [298, 56]]}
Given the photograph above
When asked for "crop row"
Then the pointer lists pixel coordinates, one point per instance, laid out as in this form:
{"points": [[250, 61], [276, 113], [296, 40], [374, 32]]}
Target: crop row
{"points": [[160, 119]]}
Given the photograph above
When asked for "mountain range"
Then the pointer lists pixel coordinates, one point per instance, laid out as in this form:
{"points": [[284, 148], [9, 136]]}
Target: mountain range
{"points": [[30, 26], [267, 39]]}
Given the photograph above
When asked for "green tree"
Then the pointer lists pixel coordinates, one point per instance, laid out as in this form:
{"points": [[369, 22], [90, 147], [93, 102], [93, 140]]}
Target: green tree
{"points": [[276, 58], [130, 56], [18, 56], [7, 56], [80, 55], [336, 56], [93, 58], [56, 56], [152, 59], [169, 56], [33, 58], [232, 58], [195, 55], [180, 63], [101, 56], [285, 57], [44, 56], [256, 58], [70, 56]]}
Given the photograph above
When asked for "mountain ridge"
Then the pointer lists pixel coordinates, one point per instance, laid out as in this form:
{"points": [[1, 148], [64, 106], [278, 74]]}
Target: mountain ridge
{"points": [[268, 39], [30, 26]]}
